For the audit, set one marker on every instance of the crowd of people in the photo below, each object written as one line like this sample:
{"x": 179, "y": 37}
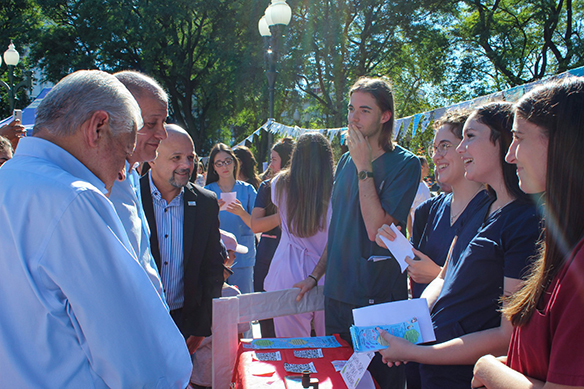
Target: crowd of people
{"x": 117, "y": 238}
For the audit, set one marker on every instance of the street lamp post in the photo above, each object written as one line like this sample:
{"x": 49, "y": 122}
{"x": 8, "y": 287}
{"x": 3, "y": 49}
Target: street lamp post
{"x": 11, "y": 58}
{"x": 277, "y": 14}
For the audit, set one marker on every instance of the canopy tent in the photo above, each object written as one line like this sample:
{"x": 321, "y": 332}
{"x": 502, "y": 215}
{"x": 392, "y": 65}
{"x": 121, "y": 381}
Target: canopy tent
{"x": 421, "y": 121}
{"x": 29, "y": 113}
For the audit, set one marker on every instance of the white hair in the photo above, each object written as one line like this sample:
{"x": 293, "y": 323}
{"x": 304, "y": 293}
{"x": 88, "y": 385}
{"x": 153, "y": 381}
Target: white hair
{"x": 138, "y": 84}
{"x": 78, "y": 96}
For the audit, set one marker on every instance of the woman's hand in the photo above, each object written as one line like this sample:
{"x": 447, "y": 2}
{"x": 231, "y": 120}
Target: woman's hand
{"x": 221, "y": 202}
{"x": 305, "y": 285}
{"x": 236, "y": 208}
{"x": 387, "y": 233}
{"x": 423, "y": 269}
{"x": 398, "y": 351}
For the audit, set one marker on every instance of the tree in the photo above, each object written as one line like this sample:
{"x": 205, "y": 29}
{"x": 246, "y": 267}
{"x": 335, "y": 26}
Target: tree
{"x": 19, "y": 20}
{"x": 515, "y": 41}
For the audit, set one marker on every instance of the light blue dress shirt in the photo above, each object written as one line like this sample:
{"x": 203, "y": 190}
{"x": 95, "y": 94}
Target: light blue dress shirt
{"x": 76, "y": 308}
{"x": 126, "y": 197}
{"x": 169, "y": 224}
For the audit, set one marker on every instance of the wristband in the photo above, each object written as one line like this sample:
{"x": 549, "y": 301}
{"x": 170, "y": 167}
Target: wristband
{"x": 314, "y": 278}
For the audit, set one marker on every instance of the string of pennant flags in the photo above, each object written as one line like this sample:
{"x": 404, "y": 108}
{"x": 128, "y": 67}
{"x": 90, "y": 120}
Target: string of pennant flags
{"x": 420, "y": 121}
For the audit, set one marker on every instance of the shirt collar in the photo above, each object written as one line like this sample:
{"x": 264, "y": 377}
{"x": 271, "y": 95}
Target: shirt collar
{"x": 44, "y": 149}
{"x": 156, "y": 193}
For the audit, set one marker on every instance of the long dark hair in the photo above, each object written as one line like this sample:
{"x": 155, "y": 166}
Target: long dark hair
{"x": 498, "y": 116}
{"x": 247, "y": 165}
{"x": 284, "y": 147}
{"x": 308, "y": 185}
{"x": 557, "y": 108}
{"x": 212, "y": 175}
{"x": 380, "y": 89}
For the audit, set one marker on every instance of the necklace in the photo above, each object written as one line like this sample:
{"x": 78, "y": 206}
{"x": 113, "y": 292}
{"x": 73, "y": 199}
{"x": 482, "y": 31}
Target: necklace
{"x": 501, "y": 206}
{"x": 454, "y": 217}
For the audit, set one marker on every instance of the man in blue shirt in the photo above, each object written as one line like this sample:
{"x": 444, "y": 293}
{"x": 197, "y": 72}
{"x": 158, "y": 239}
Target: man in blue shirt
{"x": 185, "y": 241}
{"x": 125, "y": 195}
{"x": 375, "y": 184}
{"x": 76, "y": 308}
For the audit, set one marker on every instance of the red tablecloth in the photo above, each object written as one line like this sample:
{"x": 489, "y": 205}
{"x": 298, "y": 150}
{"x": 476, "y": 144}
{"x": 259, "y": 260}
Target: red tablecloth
{"x": 251, "y": 373}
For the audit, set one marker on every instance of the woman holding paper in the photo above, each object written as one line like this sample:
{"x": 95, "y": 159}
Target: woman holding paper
{"x": 441, "y": 218}
{"x": 482, "y": 266}
{"x": 546, "y": 347}
{"x": 236, "y": 199}
{"x": 302, "y": 194}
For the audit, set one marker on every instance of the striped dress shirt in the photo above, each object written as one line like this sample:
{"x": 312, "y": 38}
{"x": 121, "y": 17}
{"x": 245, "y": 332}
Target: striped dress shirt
{"x": 169, "y": 223}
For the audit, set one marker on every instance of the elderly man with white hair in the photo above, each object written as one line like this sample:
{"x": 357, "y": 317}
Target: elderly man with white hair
{"x": 76, "y": 308}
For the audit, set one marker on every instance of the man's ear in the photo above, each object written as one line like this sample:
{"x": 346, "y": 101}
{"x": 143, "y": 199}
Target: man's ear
{"x": 385, "y": 116}
{"x": 95, "y": 127}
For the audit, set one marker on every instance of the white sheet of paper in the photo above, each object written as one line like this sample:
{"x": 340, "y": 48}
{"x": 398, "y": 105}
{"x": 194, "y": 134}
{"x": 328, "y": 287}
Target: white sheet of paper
{"x": 228, "y": 197}
{"x": 355, "y": 367}
{"x": 397, "y": 312}
{"x": 366, "y": 381}
{"x": 400, "y": 248}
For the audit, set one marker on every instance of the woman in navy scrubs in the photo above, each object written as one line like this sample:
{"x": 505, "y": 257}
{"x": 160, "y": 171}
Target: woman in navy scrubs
{"x": 547, "y": 313}
{"x": 441, "y": 218}
{"x": 483, "y": 266}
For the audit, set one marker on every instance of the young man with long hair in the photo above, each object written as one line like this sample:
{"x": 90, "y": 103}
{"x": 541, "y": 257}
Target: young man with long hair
{"x": 375, "y": 184}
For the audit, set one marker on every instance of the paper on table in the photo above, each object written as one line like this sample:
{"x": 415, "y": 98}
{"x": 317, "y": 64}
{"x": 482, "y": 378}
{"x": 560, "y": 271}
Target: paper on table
{"x": 355, "y": 367}
{"x": 400, "y": 247}
{"x": 397, "y": 312}
{"x": 228, "y": 197}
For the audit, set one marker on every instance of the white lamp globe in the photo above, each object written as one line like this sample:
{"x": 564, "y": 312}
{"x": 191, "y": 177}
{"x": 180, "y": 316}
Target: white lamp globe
{"x": 11, "y": 56}
{"x": 279, "y": 12}
{"x": 263, "y": 27}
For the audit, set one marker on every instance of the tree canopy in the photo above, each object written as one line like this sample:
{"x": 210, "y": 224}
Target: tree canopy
{"x": 210, "y": 57}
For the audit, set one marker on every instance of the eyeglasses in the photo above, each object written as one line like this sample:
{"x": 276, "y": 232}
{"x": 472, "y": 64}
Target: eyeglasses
{"x": 227, "y": 162}
{"x": 441, "y": 149}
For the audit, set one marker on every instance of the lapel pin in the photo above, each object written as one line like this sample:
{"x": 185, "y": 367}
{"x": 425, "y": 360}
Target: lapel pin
{"x": 192, "y": 203}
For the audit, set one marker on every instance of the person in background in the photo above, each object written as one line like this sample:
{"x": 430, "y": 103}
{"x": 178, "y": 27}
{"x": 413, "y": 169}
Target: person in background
{"x": 200, "y": 174}
{"x": 441, "y": 218}
{"x": 6, "y": 151}
{"x": 266, "y": 220}
{"x": 247, "y": 166}
{"x": 76, "y": 308}
{"x": 547, "y": 342}
{"x": 422, "y": 194}
{"x": 13, "y": 131}
{"x": 375, "y": 184}
{"x": 222, "y": 173}
{"x": 482, "y": 266}
{"x": 185, "y": 237}
{"x": 302, "y": 195}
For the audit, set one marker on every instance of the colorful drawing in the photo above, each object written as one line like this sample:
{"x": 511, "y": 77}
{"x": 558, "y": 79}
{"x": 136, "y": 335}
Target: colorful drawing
{"x": 289, "y": 343}
{"x": 368, "y": 339}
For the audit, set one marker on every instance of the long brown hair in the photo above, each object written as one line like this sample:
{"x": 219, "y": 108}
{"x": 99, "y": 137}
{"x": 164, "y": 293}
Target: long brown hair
{"x": 247, "y": 165}
{"x": 212, "y": 175}
{"x": 284, "y": 148}
{"x": 498, "y": 116}
{"x": 557, "y": 108}
{"x": 380, "y": 89}
{"x": 308, "y": 185}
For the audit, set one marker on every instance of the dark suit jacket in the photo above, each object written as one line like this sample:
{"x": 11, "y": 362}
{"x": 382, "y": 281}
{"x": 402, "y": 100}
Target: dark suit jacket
{"x": 203, "y": 254}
